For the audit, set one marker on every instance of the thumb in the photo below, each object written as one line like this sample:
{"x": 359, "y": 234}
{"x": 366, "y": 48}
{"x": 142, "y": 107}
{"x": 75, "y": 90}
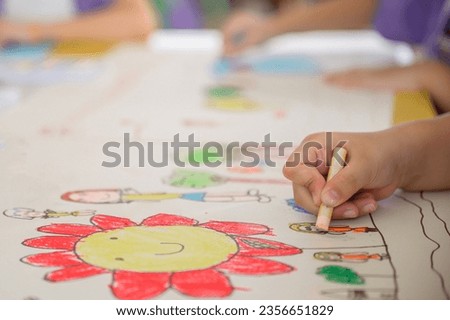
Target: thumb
{"x": 352, "y": 178}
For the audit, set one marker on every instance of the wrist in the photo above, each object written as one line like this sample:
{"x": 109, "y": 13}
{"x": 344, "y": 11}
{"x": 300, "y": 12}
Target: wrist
{"x": 411, "y": 146}
{"x": 33, "y": 33}
{"x": 429, "y": 71}
{"x": 275, "y": 25}
{"x": 23, "y": 32}
{"x": 296, "y": 19}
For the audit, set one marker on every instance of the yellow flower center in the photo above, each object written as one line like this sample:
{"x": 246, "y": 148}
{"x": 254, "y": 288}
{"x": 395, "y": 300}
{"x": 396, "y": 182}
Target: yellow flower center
{"x": 157, "y": 249}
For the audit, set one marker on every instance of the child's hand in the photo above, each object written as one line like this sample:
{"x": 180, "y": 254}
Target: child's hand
{"x": 390, "y": 79}
{"x": 10, "y": 31}
{"x": 4, "y": 32}
{"x": 373, "y": 172}
{"x": 243, "y": 30}
{"x": 431, "y": 76}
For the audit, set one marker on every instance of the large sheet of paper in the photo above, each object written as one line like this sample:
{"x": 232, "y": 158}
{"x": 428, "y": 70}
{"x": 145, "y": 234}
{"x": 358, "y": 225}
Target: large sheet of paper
{"x": 80, "y": 221}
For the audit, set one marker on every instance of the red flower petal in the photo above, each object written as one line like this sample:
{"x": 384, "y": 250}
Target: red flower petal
{"x": 237, "y": 228}
{"x": 52, "y": 242}
{"x": 75, "y": 272}
{"x": 262, "y": 247}
{"x": 81, "y": 230}
{"x": 255, "y": 266}
{"x": 138, "y": 286}
{"x": 202, "y": 283}
{"x": 109, "y": 222}
{"x": 165, "y": 219}
{"x": 53, "y": 259}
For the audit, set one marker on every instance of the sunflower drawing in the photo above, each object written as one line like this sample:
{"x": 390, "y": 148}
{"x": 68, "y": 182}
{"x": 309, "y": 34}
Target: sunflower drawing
{"x": 163, "y": 252}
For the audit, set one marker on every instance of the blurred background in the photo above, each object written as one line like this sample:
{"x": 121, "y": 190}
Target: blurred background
{"x": 193, "y": 14}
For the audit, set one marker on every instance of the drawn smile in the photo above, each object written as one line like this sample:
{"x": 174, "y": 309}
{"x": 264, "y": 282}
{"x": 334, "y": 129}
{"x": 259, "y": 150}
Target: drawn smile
{"x": 181, "y": 248}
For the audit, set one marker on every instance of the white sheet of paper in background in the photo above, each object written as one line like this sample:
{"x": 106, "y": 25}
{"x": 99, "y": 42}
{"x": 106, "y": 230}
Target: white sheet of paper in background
{"x": 9, "y": 96}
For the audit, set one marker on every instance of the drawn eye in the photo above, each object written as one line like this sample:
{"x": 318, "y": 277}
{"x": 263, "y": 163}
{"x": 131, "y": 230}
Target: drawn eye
{"x": 119, "y": 259}
{"x": 113, "y": 238}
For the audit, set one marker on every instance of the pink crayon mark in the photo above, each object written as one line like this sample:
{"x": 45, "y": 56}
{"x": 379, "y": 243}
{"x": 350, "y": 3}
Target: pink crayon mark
{"x": 251, "y": 170}
{"x": 280, "y": 114}
{"x": 266, "y": 181}
{"x": 200, "y": 123}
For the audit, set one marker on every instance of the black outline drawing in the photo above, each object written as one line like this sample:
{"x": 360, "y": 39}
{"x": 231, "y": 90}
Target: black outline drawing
{"x": 394, "y": 275}
{"x": 438, "y": 246}
{"x": 433, "y": 208}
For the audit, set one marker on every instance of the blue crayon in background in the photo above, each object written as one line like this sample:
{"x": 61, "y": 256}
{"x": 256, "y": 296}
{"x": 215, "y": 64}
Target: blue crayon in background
{"x": 26, "y": 51}
{"x": 239, "y": 37}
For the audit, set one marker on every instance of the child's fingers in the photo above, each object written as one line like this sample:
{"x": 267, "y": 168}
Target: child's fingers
{"x": 375, "y": 79}
{"x": 237, "y": 32}
{"x": 385, "y": 192}
{"x": 356, "y": 207}
{"x": 303, "y": 198}
{"x": 359, "y": 78}
{"x": 307, "y": 167}
{"x": 234, "y": 49}
{"x": 228, "y": 44}
{"x": 308, "y": 178}
{"x": 354, "y": 177}
{"x": 346, "y": 79}
{"x": 236, "y": 42}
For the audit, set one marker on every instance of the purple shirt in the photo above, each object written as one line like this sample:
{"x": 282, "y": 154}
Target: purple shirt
{"x": 82, "y": 6}
{"x": 91, "y": 5}
{"x": 420, "y": 22}
{"x": 186, "y": 14}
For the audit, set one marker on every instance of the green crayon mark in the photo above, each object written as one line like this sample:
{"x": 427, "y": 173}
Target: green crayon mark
{"x": 204, "y": 156}
{"x": 224, "y": 92}
{"x": 340, "y": 275}
{"x": 195, "y": 179}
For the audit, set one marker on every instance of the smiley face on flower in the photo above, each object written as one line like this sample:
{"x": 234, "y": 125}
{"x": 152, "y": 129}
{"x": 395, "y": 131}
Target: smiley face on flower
{"x": 162, "y": 252}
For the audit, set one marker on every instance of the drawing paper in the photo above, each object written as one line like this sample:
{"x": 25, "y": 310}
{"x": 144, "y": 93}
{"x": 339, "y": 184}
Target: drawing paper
{"x": 73, "y": 228}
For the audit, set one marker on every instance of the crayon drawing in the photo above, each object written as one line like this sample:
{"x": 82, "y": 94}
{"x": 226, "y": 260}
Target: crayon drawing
{"x": 349, "y": 257}
{"x": 162, "y": 252}
{"x": 340, "y": 275}
{"x": 291, "y": 203}
{"x": 308, "y": 227}
{"x": 269, "y": 65}
{"x": 30, "y": 214}
{"x": 15, "y": 51}
{"x": 438, "y": 247}
{"x": 203, "y": 179}
{"x": 230, "y": 98}
{"x": 230, "y": 232}
{"x": 128, "y": 195}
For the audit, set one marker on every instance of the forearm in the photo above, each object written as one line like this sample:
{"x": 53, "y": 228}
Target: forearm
{"x": 126, "y": 20}
{"x": 424, "y": 154}
{"x": 325, "y": 15}
{"x": 436, "y": 80}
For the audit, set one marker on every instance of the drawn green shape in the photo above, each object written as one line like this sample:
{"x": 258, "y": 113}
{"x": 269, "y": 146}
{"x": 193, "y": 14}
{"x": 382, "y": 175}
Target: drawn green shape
{"x": 224, "y": 92}
{"x": 194, "y": 179}
{"x": 340, "y": 274}
{"x": 204, "y": 156}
